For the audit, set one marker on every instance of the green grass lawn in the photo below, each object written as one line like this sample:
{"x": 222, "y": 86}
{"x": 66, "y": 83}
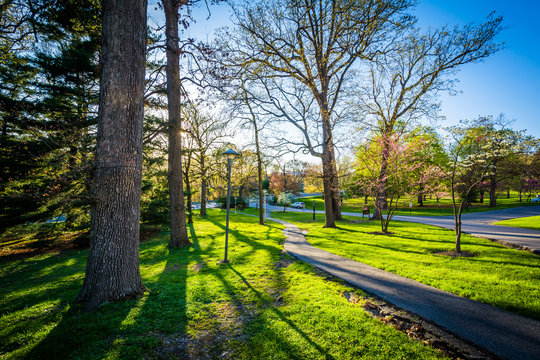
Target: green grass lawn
{"x": 260, "y": 306}
{"x": 430, "y": 208}
{"x": 503, "y": 277}
{"x": 531, "y": 222}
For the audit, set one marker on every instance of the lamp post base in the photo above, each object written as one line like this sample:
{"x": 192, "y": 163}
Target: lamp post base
{"x": 222, "y": 262}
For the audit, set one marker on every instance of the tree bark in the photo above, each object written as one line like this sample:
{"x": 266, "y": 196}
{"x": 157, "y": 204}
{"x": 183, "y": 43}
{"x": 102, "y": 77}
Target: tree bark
{"x": 259, "y": 173}
{"x": 332, "y": 208}
{"x": 188, "y": 190}
{"x": 381, "y": 202}
{"x": 420, "y": 199}
{"x": 112, "y": 270}
{"x": 493, "y": 188}
{"x": 204, "y": 186}
{"x": 329, "y": 217}
{"x": 179, "y": 237}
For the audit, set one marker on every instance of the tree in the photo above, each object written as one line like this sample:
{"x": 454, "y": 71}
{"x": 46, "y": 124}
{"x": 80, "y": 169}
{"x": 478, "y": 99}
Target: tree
{"x": 471, "y": 155}
{"x": 207, "y": 132}
{"x": 500, "y": 139}
{"x": 403, "y": 84}
{"x": 285, "y": 199}
{"x": 288, "y": 176}
{"x": 48, "y": 101}
{"x": 406, "y": 168}
{"x": 314, "y": 44}
{"x": 112, "y": 270}
{"x": 179, "y": 237}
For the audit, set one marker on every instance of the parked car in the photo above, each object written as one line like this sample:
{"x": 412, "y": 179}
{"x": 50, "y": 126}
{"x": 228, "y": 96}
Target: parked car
{"x": 536, "y": 199}
{"x": 298, "y": 205}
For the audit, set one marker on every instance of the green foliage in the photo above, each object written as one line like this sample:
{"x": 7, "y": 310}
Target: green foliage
{"x": 262, "y": 305}
{"x": 48, "y": 109}
{"x": 266, "y": 184}
{"x": 285, "y": 199}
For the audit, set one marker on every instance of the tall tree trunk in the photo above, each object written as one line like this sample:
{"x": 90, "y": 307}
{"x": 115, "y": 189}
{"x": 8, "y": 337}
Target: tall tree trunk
{"x": 508, "y": 193}
{"x": 259, "y": 172}
{"x": 204, "y": 185}
{"x": 179, "y": 237}
{"x": 332, "y": 208}
{"x": 336, "y": 195}
{"x": 329, "y": 218}
{"x": 112, "y": 269}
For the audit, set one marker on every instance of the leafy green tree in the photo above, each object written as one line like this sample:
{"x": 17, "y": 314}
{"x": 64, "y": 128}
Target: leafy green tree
{"x": 285, "y": 199}
{"x": 48, "y": 102}
{"x": 312, "y": 46}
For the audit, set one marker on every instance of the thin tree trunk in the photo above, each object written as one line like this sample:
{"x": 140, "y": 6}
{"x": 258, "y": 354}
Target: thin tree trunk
{"x": 179, "y": 237}
{"x": 188, "y": 191}
{"x": 330, "y": 205}
{"x": 458, "y": 228}
{"x": 336, "y": 196}
{"x": 112, "y": 269}
{"x": 204, "y": 186}
{"x": 259, "y": 173}
{"x": 381, "y": 202}
{"x": 457, "y": 216}
{"x": 493, "y": 189}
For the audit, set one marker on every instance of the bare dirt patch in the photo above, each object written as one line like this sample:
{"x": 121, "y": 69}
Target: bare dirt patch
{"x": 380, "y": 233}
{"x": 197, "y": 267}
{"x": 454, "y": 254}
{"x": 213, "y": 340}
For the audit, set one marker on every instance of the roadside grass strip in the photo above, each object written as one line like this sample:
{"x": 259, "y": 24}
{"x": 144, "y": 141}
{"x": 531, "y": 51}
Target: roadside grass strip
{"x": 530, "y": 222}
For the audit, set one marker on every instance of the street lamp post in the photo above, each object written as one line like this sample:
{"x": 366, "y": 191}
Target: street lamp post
{"x": 230, "y": 154}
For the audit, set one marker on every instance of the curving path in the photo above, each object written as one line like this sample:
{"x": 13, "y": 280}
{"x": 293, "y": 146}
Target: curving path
{"x": 500, "y": 332}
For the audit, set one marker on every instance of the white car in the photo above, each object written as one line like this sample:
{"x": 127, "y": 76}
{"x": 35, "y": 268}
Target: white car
{"x": 536, "y": 199}
{"x": 298, "y": 205}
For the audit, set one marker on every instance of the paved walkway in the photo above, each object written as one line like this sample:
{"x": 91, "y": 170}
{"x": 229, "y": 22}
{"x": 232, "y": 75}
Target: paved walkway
{"x": 500, "y": 332}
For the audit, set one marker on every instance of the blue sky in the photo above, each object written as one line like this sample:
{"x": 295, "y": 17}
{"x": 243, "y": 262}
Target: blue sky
{"x": 508, "y": 82}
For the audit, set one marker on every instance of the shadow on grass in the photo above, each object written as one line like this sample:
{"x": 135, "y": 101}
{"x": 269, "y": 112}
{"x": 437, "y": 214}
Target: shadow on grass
{"x": 124, "y": 329}
{"x": 264, "y": 302}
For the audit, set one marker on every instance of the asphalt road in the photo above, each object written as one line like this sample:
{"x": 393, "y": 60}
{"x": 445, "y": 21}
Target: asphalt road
{"x": 477, "y": 224}
{"x": 480, "y": 225}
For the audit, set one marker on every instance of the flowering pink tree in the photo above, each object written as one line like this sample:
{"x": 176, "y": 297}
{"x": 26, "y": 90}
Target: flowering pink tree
{"x": 405, "y": 169}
